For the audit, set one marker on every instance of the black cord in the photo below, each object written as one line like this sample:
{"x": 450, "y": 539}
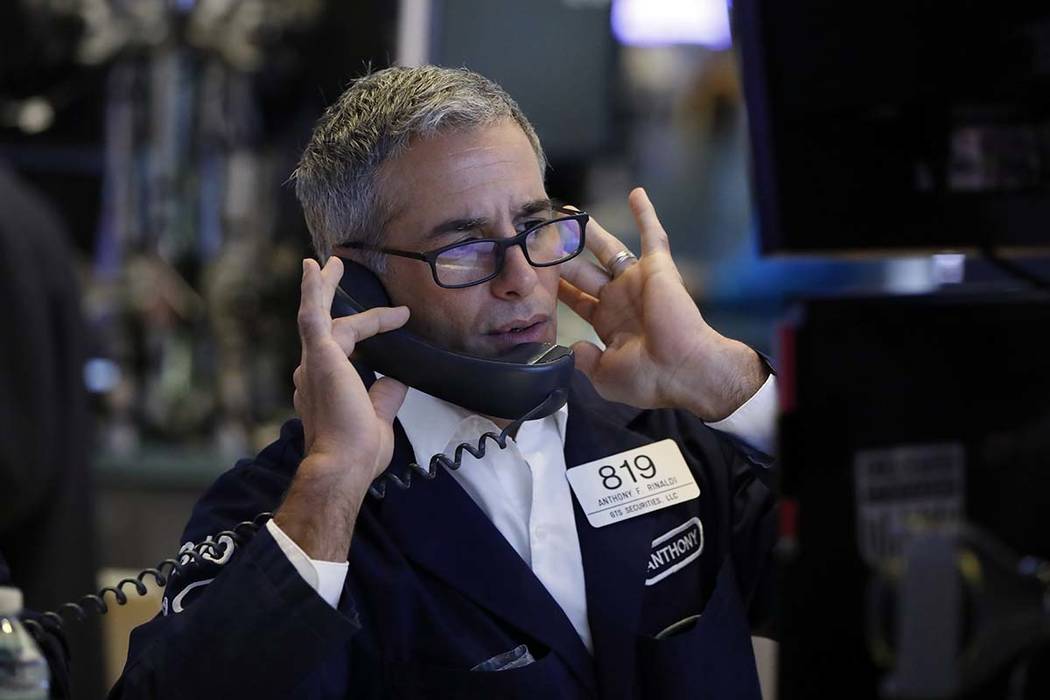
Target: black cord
{"x": 53, "y": 621}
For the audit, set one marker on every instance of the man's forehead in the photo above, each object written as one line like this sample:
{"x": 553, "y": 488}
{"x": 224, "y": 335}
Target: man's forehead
{"x": 493, "y": 209}
{"x": 489, "y": 172}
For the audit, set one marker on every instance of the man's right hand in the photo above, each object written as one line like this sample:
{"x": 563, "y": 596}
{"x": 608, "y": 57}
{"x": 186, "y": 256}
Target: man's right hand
{"x": 348, "y": 430}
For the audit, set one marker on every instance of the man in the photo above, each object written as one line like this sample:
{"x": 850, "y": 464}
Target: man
{"x": 490, "y": 581}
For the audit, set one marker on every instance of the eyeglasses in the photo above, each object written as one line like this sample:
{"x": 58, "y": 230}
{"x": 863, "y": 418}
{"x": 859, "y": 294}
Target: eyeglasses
{"x": 478, "y": 260}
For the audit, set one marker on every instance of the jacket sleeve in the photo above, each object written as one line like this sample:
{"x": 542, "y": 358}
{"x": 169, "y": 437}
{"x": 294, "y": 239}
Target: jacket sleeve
{"x": 747, "y": 487}
{"x": 753, "y": 508}
{"x": 241, "y": 622}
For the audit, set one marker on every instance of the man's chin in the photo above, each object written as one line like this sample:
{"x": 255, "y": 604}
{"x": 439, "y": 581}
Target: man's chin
{"x": 489, "y": 352}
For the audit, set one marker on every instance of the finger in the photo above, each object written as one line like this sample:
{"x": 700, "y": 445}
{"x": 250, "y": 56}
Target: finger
{"x": 331, "y": 275}
{"x": 582, "y": 303}
{"x": 587, "y": 356}
{"x": 585, "y": 275}
{"x": 654, "y": 238}
{"x": 387, "y": 395}
{"x": 603, "y": 244}
{"x": 350, "y": 330}
{"x": 297, "y": 376}
{"x": 314, "y": 318}
{"x": 299, "y": 404}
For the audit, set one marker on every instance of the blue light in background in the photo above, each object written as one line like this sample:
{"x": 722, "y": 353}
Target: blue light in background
{"x": 101, "y": 375}
{"x": 671, "y": 22}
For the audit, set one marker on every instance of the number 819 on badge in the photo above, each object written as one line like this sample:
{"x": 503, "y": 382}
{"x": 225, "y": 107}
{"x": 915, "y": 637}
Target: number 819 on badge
{"x": 643, "y": 463}
{"x": 632, "y": 483}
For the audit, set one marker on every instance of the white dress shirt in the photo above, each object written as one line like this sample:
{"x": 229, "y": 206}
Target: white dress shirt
{"x": 522, "y": 490}
{"x": 755, "y": 422}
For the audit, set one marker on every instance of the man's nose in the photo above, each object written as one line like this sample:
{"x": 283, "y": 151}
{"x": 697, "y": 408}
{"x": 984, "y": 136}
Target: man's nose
{"x": 518, "y": 278}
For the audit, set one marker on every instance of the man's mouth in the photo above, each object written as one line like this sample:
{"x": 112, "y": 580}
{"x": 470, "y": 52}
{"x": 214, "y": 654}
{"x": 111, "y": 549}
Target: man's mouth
{"x": 530, "y": 330}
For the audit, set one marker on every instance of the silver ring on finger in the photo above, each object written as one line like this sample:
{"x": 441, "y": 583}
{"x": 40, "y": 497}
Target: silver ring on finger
{"x": 620, "y": 262}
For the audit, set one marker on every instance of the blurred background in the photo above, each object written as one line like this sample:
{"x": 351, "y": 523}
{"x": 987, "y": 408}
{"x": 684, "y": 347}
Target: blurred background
{"x": 144, "y": 151}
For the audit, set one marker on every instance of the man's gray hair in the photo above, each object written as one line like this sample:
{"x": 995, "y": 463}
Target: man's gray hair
{"x": 337, "y": 180}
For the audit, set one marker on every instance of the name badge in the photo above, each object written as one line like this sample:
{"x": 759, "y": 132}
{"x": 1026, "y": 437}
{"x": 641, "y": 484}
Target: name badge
{"x": 625, "y": 485}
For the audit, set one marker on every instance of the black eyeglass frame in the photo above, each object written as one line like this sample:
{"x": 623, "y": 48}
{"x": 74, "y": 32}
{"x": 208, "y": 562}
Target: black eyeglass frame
{"x": 502, "y": 244}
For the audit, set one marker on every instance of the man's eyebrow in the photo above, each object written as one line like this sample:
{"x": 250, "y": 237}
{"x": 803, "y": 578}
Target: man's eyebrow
{"x": 480, "y": 222}
{"x": 534, "y": 207}
{"x": 454, "y": 225}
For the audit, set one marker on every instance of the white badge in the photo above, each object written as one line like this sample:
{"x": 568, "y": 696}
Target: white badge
{"x": 631, "y": 483}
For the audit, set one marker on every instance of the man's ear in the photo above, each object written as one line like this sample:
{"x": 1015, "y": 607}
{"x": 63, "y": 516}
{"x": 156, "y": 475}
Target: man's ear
{"x": 360, "y": 257}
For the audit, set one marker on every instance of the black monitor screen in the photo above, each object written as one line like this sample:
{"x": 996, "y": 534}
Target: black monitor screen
{"x": 898, "y": 124}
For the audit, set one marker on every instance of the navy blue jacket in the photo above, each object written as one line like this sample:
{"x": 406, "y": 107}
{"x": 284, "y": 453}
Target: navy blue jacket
{"x": 434, "y": 589}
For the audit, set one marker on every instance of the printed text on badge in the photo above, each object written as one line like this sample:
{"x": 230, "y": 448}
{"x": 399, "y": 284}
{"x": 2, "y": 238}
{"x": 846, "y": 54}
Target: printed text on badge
{"x": 632, "y": 483}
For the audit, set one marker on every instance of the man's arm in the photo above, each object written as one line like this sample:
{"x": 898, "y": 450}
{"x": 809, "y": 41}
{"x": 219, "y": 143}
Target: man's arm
{"x": 257, "y": 630}
{"x": 257, "y": 617}
{"x": 348, "y": 429}
{"x": 243, "y": 622}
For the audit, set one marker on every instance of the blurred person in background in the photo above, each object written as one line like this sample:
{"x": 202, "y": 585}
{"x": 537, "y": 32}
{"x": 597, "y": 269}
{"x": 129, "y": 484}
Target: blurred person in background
{"x": 46, "y": 526}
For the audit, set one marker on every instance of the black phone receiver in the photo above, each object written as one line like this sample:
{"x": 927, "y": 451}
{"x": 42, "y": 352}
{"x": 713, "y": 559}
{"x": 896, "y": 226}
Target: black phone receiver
{"x": 532, "y": 379}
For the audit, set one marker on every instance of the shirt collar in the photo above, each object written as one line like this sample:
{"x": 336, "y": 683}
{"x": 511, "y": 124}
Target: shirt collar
{"x": 435, "y": 426}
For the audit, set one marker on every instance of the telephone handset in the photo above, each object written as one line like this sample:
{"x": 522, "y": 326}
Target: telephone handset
{"x": 532, "y": 381}
{"x": 533, "y": 378}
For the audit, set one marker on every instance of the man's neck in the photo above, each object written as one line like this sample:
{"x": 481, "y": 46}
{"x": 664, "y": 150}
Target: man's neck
{"x": 502, "y": 423}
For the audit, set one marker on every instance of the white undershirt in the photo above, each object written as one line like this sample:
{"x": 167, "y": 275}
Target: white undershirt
{"x": 522, "y": 490}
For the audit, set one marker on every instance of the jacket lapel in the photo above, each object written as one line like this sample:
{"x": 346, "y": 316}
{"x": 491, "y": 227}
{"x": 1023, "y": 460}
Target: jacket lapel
{"x": 440, "y": 528}
{"x": 614, "y": 556}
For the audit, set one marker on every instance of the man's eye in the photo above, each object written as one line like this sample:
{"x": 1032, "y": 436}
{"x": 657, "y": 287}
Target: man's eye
{"x": 529, "y": 224}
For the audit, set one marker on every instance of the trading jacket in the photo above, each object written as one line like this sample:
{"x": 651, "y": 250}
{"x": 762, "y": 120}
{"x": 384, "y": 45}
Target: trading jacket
{"x": 434, "y": 590}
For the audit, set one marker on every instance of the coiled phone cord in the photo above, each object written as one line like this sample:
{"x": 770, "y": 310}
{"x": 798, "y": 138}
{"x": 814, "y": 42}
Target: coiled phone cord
{"x": 378, "y": 487}
{"x": 54, "y": 620}
{"x": 97, "y": 601}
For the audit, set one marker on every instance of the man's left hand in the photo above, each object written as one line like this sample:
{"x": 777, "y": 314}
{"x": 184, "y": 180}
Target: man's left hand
{"x": 659, "y": 351}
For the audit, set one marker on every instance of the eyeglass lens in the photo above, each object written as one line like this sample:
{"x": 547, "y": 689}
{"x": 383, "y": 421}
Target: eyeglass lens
{"x": 549, "y": 244}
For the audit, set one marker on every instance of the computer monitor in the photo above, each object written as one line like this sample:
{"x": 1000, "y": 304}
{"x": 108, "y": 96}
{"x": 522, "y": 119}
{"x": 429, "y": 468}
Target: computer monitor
{"x": 898, "y": 124}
